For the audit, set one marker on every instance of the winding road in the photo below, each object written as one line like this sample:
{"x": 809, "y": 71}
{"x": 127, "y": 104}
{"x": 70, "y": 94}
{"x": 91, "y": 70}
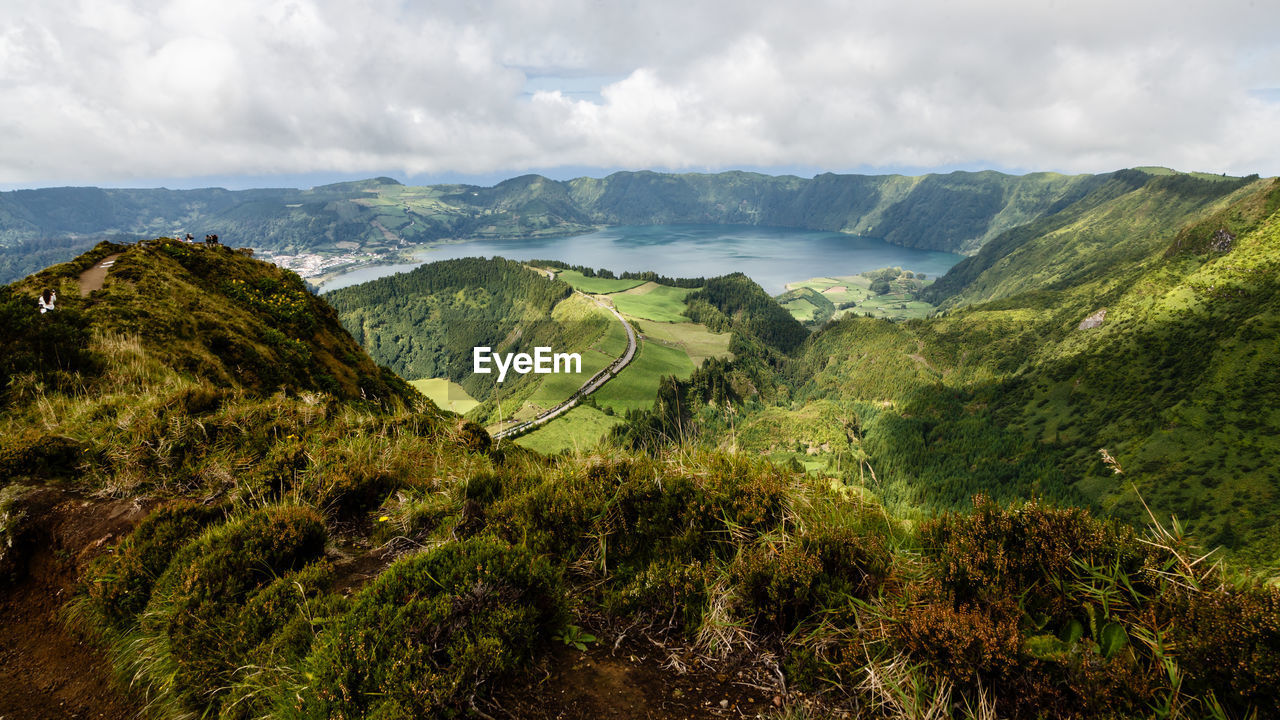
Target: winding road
{"x": 589, "y": 386}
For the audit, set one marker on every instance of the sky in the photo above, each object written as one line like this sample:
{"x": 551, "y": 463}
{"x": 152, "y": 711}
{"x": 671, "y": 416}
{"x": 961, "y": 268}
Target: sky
{"x": 254, "y": 93}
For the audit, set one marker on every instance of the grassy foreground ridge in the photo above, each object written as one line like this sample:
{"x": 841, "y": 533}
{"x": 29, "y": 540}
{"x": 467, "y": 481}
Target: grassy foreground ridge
{"x": 321, "y": 541}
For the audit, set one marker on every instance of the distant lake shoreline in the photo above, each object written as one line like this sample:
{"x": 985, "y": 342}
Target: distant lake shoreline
{"x": 771, "y": 256}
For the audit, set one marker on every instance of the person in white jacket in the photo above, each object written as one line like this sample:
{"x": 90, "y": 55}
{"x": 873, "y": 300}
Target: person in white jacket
{"x": 46, "y": 301}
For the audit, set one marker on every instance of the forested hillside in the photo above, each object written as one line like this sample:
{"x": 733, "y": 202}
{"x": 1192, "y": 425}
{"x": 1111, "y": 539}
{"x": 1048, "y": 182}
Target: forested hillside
{"x": 425, "y": 323}
{"x": 1128, "y": 351}
{"x": 957, "y": 212}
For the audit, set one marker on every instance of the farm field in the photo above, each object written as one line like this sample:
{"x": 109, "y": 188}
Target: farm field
{"x": 446, "y": 394}
{"x": 595, "y": 285}
{"x": 555, "y": 388}
{"x": 695, "y": 339}
{"x": 652, "y": 301}
{"x": 580, "y": 428}
{"x": 637, "y": 385}
{"x": 855, "y": 291}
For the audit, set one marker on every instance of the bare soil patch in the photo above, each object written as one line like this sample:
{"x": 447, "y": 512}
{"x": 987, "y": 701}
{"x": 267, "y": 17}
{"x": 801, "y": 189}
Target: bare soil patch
{"x": 47, "y": 671}
{"x": 627, "y": 683}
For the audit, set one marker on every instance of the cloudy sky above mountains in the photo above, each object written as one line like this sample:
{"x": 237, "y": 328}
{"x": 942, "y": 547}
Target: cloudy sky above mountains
{"x": 185, "y": 92}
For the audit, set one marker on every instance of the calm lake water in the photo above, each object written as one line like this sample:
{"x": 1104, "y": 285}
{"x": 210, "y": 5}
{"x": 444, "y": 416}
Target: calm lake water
{"x": 772, "y": 257}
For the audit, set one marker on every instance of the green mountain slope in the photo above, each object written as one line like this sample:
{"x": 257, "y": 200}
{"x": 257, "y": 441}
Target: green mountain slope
{"x": 425, "y": 324}
{"x": 227, "y": 319}
{"x": 1011, "y": 393}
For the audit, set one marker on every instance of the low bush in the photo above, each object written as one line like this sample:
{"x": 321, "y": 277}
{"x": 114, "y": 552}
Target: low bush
{"x": 1032, "y": 550}
{"x": 196, "y": 621}
{"x": 782, "y": 584}
{"x": 14, "y": 521}
{"x": 432, "y": 631}
{"x": 1228, "y": 643}
{"x": 118, "y": 585}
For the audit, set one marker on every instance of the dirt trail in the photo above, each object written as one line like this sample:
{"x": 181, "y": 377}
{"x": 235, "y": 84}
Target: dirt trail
{"x": 626, "y": 684}
{"x": 93, "y": 278}
{"x": 45, "y": 670}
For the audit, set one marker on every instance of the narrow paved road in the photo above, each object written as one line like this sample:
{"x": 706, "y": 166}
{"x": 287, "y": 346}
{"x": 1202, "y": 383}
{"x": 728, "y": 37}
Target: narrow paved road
{"x": 588, "y": 387}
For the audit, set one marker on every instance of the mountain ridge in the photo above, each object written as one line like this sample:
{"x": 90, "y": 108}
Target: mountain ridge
{"x": 957, "y": 212}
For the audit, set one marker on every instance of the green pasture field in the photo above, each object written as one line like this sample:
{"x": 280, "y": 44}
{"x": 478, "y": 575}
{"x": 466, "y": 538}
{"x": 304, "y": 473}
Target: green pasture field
{"x": 637, "y": 385}
{"x": 555, "y": 388}
{"x": 801, "y": 309}
{"x": 652, "y": 301}
{"x": 695, "y": 339}
{"x": 900, "y": 304}
{"x": 580, "y": 428}
{"x": 595, "y": 285}
{"x": 446, "y": 394}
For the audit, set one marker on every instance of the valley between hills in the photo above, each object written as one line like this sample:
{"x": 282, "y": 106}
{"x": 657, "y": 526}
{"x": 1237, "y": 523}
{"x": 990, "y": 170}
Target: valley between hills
{"x": 1043, "y": 484}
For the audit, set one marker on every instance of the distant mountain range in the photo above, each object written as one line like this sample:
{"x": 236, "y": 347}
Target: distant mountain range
{"x": 956, "y": 212}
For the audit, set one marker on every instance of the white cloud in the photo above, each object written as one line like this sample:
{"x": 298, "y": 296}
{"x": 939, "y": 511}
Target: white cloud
{"x": 104, "y": 91}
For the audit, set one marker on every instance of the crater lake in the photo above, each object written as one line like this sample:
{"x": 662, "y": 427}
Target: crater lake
{"x": 771, "y": 256}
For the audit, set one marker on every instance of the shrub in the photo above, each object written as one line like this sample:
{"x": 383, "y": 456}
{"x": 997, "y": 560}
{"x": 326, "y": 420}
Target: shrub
{"x": 13, "y": 525}
{"x": 119, "y": 585}
{"x": 473, "y": 437}
{"x": 272, "y": 634}
{"x": 783, "y": 585}
{"x": 552, "y": 517}
{"x": 967, "y": 643}
{"x": 666, "y": 591}
{"x": 433, "y": 630}
{"x": 1028, "y": 549}
{"x": 195, "y": 613}
{"x": 1229, "y": 643}
{"x": 777, "y": 583}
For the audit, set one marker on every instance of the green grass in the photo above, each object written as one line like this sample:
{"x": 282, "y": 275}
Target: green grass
{"x": 580, "y": 428}
{"x": 801, "y": 309}
{"x": 694, "y": 338}
{"x": 637, "y": 385}
{"x": 595, "y": 285}
{"x": 652, "y": 301}
{"x": 899, "y": 304}
{"x": 446, "y": 394}
{"x": 614, "y": 341}
{"x": 557, "y": 387}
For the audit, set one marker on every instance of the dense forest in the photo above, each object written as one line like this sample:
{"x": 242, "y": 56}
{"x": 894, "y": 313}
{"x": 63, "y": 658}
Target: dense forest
{"x": 734, "y": 302}
{"x": 425, "y": 323}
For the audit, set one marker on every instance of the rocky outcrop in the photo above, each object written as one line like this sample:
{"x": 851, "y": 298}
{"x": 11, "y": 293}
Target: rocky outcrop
{"x": 1094, "y": 320}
